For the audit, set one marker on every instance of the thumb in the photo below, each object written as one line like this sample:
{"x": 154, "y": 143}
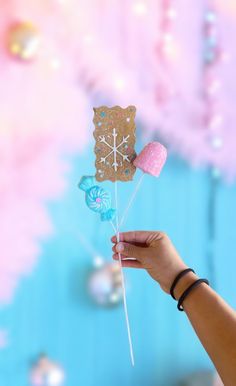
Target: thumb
{"x": 131, "y": 250}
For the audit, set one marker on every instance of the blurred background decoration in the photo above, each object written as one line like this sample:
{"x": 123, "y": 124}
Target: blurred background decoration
{"x": 46, "y": 373}
{"x": 23, "y": 40}
{"x": 105, "y": 285}
{"x": 203, "y": 378}
{"x": 199, "y": 379}
{"x": 175, "y": 61}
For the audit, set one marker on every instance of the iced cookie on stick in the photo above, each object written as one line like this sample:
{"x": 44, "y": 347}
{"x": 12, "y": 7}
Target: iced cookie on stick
{"x": 151, "y": 161}
{"x": 114, "y": 136}
{"x": 115, "y": 151}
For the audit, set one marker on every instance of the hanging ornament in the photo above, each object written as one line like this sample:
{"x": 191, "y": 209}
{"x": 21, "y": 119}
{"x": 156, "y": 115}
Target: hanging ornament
{"x": 105, "y": 284}
{"x": 165, "y": 51}
{"x": 46, "y": 373}
{"x": 23, "y": 41}
{"x": 212, "y": 55}
{"x": 203, "y": 378}
{"x": 212, "y": 49}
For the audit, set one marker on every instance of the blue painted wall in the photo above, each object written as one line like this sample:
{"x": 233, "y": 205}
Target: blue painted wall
{"x": 51, "y": 311}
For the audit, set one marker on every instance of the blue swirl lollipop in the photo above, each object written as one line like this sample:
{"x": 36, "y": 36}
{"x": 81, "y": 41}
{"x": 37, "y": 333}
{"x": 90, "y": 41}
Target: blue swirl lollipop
{"x": 97, "y": 198}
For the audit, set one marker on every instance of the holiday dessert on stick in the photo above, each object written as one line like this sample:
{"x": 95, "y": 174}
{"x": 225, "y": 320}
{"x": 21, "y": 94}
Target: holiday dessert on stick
{"x": 115, "y": 139}
{"x": 97, "y": 198}
{"x": 151, "y": 159}
{"x": 116, "y": 160}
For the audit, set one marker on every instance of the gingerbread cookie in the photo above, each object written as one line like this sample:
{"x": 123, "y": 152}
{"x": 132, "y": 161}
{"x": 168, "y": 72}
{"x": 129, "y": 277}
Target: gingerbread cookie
{"x": 115, "y": 140}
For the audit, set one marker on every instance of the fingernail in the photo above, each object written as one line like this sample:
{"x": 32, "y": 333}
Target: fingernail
{"x": 120, "y": 247}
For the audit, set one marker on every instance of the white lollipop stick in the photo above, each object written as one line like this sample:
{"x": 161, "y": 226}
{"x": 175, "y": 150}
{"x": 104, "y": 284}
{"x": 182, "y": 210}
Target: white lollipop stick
{"x": 126, "y": 211}
{"x": 151, "y": 160}
{"x": 113, "y": 227}
{"x": 123, "y": 280}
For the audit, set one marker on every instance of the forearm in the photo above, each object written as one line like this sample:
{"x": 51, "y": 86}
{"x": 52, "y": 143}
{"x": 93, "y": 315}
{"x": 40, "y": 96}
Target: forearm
{"x": 213, "y": 320}
{"x": 215, "y": 324}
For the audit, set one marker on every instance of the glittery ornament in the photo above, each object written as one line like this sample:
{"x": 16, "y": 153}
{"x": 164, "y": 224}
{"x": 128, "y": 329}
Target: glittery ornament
{"x": 46, "y": 373}
{"x": 105, "y": 285}
{"x": 23, "y": 40}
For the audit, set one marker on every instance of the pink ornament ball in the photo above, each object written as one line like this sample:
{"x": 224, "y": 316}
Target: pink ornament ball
{"x": 151, "y": 159}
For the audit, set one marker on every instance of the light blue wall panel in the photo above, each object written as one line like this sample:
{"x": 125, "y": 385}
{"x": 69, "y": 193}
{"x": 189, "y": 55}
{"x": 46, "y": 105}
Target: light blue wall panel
{"x": 52, "y": 313}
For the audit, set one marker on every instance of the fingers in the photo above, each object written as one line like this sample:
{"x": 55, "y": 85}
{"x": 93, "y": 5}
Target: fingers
{"x": 116, "y": 257}
{"x": 116, "y": 248}
{"x": 133, "y": 237}
{"x": 129, "y": 263}
{"x": 130, "y": 250}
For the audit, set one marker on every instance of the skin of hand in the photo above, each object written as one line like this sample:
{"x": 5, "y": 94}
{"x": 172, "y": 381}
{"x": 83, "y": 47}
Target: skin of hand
{"x": 152, "y": 251}
{"x": 213, "y": 320}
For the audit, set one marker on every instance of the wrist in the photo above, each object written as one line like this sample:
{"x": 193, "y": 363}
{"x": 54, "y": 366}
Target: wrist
{"x": 184, "y": 283}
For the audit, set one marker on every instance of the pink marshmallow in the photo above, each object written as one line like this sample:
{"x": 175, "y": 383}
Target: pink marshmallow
{"x": 151, "y": 159}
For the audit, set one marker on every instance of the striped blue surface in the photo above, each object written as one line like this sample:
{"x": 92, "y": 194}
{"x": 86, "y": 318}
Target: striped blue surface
{"x": 51, "y": 311}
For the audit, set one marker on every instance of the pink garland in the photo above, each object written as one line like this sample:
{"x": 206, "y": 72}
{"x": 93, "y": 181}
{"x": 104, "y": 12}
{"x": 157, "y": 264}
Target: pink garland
{"x": 43, "y": 116}
{"x": 165, "y": 53}
{"x": 213, "y": 118}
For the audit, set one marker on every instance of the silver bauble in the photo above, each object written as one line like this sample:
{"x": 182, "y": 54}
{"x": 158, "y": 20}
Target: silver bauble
{"x": 105, "y": 285}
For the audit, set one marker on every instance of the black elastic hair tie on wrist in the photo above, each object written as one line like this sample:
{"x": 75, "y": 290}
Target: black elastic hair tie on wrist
{"x": 188, "y": 290}
{"x": 177, "y": 279}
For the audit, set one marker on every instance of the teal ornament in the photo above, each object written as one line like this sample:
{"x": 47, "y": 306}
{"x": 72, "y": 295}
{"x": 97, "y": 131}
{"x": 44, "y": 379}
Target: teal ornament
{"x": 86, "y": 183}
{"x": 97, "y": 198}
{"x": 109, "y": 215}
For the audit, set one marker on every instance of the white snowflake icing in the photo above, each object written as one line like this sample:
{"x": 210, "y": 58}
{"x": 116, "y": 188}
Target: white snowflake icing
{"x": 116, "y": 154}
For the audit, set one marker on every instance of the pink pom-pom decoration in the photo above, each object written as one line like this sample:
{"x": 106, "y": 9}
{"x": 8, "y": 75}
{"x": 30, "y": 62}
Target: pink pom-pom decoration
{"x": 151, "y": 159}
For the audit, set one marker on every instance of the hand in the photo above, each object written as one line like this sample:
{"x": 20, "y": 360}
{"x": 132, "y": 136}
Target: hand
{"x": 152, "y": 251}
